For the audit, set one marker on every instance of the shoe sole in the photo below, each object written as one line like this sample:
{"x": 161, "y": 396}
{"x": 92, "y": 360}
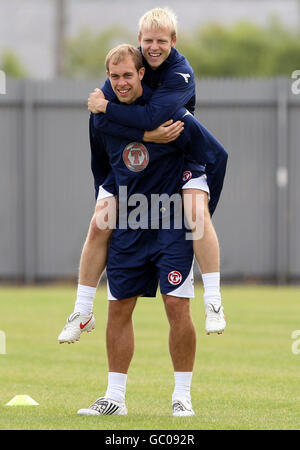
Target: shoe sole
{"x": 76, "y": 340}
{"x": 208, "y": 332}
{"x": 214, "y": 332}
{"x": 88, "y": 412}
{"x": 92, "y": 412}
{"x": 184, "y": 414}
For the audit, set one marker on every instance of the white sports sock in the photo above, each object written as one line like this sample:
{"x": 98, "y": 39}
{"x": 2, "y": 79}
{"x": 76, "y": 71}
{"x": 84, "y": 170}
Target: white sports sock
{"x": 116, "y": 387}
{"x": 211, "y": 284}
{"x": 182, "y": 389}
{"x": 85, "y": 299}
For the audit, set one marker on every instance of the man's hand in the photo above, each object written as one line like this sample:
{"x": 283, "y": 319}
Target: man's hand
{"x": 96, "y": 102}
{"x": 166, "y": 132}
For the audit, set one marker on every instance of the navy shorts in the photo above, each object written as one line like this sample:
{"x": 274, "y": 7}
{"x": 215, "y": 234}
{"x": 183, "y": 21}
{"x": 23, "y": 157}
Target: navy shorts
{"x": 192, "y": 171}
{"x": 140, "y": 260}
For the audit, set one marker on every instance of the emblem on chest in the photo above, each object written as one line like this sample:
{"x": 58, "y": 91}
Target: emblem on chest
{"x": 135, "y": 156}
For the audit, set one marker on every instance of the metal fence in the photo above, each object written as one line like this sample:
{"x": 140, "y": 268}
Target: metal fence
{"x": 46, "y": 188}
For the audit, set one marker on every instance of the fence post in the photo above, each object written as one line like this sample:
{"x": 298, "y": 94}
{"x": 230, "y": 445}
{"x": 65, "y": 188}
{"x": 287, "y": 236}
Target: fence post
{"x": 282, "y": 199}
{"x": 29, "y": 185}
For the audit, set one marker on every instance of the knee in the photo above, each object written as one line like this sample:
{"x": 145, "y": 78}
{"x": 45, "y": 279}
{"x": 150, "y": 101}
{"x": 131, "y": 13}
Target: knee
{"x": 105, "y": 214}
{"x": 197, "y": 213}
{"x": 98, "y": 233}
{"x": 120, "y": 311}
{"x": 177, "y": 309}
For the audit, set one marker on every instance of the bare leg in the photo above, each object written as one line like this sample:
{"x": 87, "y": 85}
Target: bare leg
{"x": 207, "y": 253}
{"x": 206, "y": 245}
{"x": 94, "y": 253}
{"x": 120, "y": 348}
{"x": 120, "y": 334}
{"x": 182, "y": 336}
{"x": 92, "y": 264}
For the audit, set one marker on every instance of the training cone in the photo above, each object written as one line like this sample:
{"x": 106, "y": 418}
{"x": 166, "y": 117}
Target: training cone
{"x": 21, "y": 400}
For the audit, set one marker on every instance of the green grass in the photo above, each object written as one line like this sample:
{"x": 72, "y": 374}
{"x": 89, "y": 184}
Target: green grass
{"x": 248, "y": 378}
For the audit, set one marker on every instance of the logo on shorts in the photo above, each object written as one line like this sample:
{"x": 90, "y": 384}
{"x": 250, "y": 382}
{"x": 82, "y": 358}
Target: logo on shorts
{"x": 136, "y": 156}
{"x": 174, "y": 277}
{"x": 187, "y": 175}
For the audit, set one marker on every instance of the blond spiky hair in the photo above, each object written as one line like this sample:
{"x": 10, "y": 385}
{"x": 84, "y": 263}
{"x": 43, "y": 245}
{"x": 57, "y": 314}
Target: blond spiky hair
{"x": 159, "y": 18}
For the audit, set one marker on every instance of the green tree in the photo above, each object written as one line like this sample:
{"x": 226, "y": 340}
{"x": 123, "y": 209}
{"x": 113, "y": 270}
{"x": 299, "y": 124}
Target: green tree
{"x": 243, "y": 50}
{"x": 12, "y": 66}
{"x": 86, "y": 53}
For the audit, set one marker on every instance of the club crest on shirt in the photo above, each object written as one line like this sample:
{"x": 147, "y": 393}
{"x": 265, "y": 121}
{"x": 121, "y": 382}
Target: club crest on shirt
{"x": 187, "y": 175}
{"x": 174, "y": 277}
{"x": 135, "y": 156}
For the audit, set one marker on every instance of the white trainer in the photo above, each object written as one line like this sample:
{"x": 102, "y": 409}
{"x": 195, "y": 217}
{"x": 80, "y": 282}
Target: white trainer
{"x": 215, "y": 320}
{"x": 104, "y": 407}
{"x": 182, "y": 407}
{"x": 76, "y": 324}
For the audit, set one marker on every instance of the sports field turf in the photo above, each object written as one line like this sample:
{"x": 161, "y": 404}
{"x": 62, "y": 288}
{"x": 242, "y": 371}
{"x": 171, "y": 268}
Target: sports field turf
{"x": 248, "y": 378}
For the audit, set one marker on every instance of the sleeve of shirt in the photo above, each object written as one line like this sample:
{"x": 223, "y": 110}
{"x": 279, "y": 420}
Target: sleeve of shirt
{"x": 194, "y": 139}
{"x": 108, "y": 91}
{"x": 103, "y": 124}
{"x": 200, "y": 144}
{"x": 175, "y": 91}
{"x": 110, "y": 183}
{"x": 99, "y": 159}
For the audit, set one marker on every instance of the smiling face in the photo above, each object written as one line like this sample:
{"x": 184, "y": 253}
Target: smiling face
{"x": 125, "y": 80}
{"x": 156, "y": 45}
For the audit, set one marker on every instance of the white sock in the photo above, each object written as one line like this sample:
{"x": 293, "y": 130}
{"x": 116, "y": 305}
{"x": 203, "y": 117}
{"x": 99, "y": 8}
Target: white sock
{"x": 116, "y": 387}
{"x": 85, "y": 299}
{"x": 211, "y": 284}
{"x": 182, "y": 387}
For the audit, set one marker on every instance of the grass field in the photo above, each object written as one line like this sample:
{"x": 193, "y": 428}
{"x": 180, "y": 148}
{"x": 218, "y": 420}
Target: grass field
{"x": 248, "y": 378}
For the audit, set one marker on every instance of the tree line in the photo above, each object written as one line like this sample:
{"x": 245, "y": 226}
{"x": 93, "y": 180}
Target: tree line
{"x": 243, "y": 49}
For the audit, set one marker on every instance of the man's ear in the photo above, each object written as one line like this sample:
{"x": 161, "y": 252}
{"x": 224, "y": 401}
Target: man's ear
{"x": 139, "y": 37}
{"x": 141, "y": 73}
{"x": 107, "y": 73}
{"x": 174, "y": 40}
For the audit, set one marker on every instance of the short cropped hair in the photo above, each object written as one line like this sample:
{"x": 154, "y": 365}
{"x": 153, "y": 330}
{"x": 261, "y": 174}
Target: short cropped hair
{"x": 159, "y": 18}
{"x": 121, "y": 52}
